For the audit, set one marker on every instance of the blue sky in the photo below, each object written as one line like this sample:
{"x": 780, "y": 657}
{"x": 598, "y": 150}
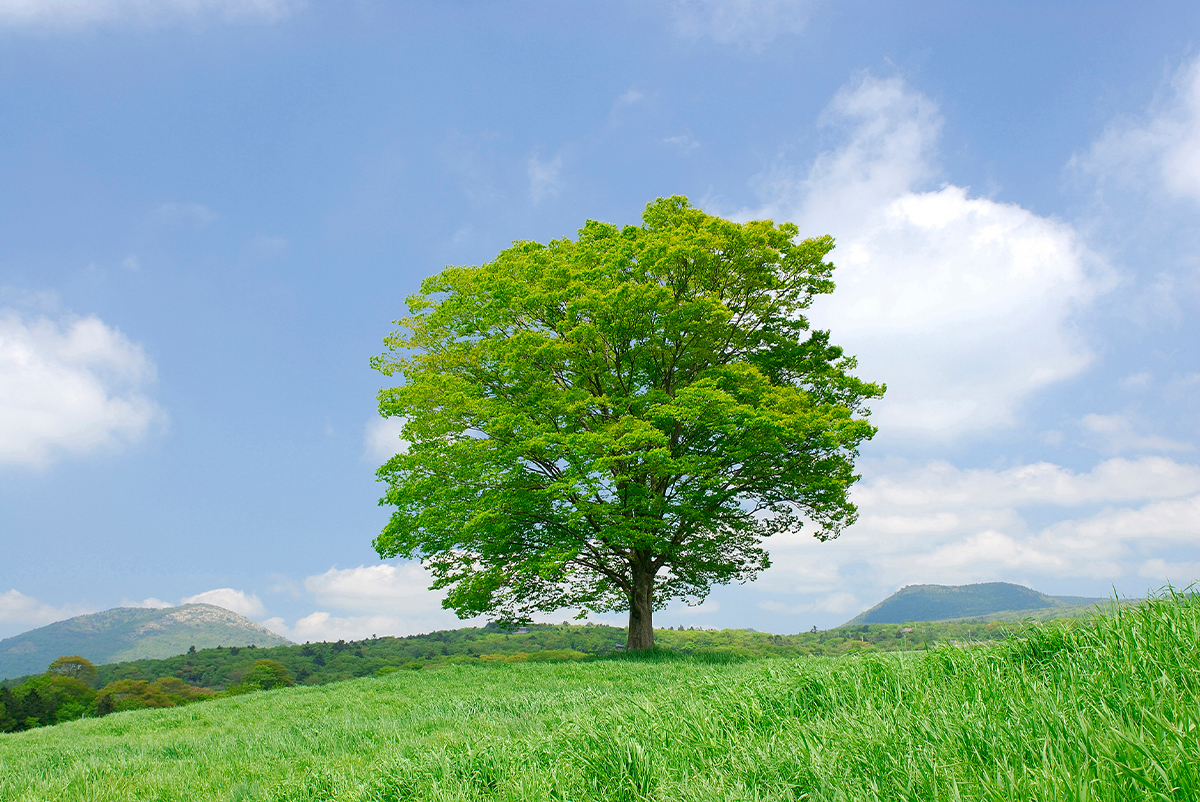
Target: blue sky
{"x": 211, "y": 210}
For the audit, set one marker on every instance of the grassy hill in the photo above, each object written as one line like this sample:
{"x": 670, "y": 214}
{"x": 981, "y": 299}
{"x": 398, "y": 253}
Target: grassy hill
{"x": 1104, "y": 711}
{"x": 987, "y": 599}
{"x": 131, "y": 633}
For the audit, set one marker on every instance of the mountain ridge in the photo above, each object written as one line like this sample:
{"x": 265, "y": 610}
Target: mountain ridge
{"x": 131, "y": 633}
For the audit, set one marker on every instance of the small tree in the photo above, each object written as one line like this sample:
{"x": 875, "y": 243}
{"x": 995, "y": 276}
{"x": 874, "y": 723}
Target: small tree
{"x": 611, "y": 422}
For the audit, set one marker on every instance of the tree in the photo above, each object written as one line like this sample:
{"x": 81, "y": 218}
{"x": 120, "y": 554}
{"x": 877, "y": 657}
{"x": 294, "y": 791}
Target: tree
{"x": 79, "y": 668}
{"x": 267, "y": 674}
{"x": 611, "y": 422}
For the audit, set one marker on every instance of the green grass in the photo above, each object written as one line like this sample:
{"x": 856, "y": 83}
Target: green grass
{"x": 1073, "y": 712}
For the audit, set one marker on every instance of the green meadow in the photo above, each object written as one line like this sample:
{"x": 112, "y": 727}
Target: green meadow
{"x": 1107, "y": 709}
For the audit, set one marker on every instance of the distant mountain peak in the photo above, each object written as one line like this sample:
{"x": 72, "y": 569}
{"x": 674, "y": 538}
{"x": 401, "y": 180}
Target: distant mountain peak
{"x": 943, "y": 602}
{"x": 131, "y": 633}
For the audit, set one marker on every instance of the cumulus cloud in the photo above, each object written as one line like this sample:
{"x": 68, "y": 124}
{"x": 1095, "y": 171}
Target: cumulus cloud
{"x": 322, "y": 626}
{"x": 1160, "y": 152}
{"x": 382, "y": 599}
{"x": 752, "y": 23}
{"x": 961, "y": 304}
{"x": 69, "y": 387}
{"x": 80, "y": 13}
{"x": 382, "y": 438}
{"x": 19, "y": 612}
{"x": 544, "y": 181}
{"x": 236, "y": 601}
{"x": 1038, "y": 524}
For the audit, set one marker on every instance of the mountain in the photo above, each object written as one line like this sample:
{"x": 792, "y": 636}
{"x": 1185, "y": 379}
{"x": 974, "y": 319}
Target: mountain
{"x": 944, "y": 602}
{"x": 131, "y": 633}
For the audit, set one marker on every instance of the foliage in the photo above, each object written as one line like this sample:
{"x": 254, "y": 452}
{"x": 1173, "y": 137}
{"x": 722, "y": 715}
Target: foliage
{"x": 1103, "y": 712}
{"x": 610, "y": 422}
{"x": 44, "y": 700}
{"x": 133, "y": 694}
{"x": 264, "y": 675}
{"x": 79, "y": 668}
{"x": 61, "y": 694}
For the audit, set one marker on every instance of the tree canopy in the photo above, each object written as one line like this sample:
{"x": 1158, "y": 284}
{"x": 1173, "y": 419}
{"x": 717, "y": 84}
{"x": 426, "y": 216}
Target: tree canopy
{"x": 610, "y": 422}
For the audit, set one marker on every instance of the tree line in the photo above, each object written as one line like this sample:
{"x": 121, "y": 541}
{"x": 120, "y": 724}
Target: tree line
{"x": 71, "y": 689}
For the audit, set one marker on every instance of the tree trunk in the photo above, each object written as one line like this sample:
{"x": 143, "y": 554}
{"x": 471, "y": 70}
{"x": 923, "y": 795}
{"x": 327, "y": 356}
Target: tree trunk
{"x": 641, "y": 611}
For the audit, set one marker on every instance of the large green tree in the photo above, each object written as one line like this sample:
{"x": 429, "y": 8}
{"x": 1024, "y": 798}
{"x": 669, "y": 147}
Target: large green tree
{"x": 611, "y": 422}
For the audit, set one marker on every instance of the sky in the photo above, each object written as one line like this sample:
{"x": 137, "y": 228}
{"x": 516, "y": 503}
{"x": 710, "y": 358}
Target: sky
{"x": 211, "y": 211}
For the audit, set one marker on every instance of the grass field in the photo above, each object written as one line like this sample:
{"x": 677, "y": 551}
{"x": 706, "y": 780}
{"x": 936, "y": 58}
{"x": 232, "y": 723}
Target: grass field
{"x": 1071, "y": 712}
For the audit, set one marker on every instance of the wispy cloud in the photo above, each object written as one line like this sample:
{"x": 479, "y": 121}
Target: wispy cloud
{"x": 382, "y": 438}
{"x": 82, "y": 13}
{"x": 544, "y": 180}
{"x": 1117, "y": 434}
{"x": 630, "y": 97}
{"x": 685, "y": 142}
{"x": 751, "y": 23}
{"x": 192, "y": 215}
{"x": 1160, "y": 151}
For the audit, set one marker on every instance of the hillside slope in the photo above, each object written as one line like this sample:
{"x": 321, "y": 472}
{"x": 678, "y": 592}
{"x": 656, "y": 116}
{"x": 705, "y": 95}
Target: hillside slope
{"x": 944, "y": 602}
{"x": 131, "y": 633}
{"x": 1013, "y": 720}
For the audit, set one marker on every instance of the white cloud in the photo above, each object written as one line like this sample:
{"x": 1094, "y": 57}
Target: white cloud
{"x": 745, "y": 22}
{"x": 193, "y": 215}
{"x": 374, "y": 588}
{"x": 235, "y": 600}
{"x": 278, "y": 626}
{"x": 1179, "y": 574}
{"x": 544, "y": 180}
{"x": 685, "y": 142}
{"x": 630, "y": 97}
{"x": 962, "y": 305}
{"x": 70, "y": 386}
{"x": 1139, "y": 380}
{"x": 1160, "y": 152}
{"x": 1037, "y": 524}
{"x": 321, "y": 626}
{"x": 382, "y": 599}
{"x": 19, "y": 612}
{"x": 80, "y": 13}
{"x": 151, "y": 602}
{"x": 937, "y": 488}
{"x": 382, "y": 438}
{"x": 1117, "y": 434}
{"x": 264, "y": 247}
